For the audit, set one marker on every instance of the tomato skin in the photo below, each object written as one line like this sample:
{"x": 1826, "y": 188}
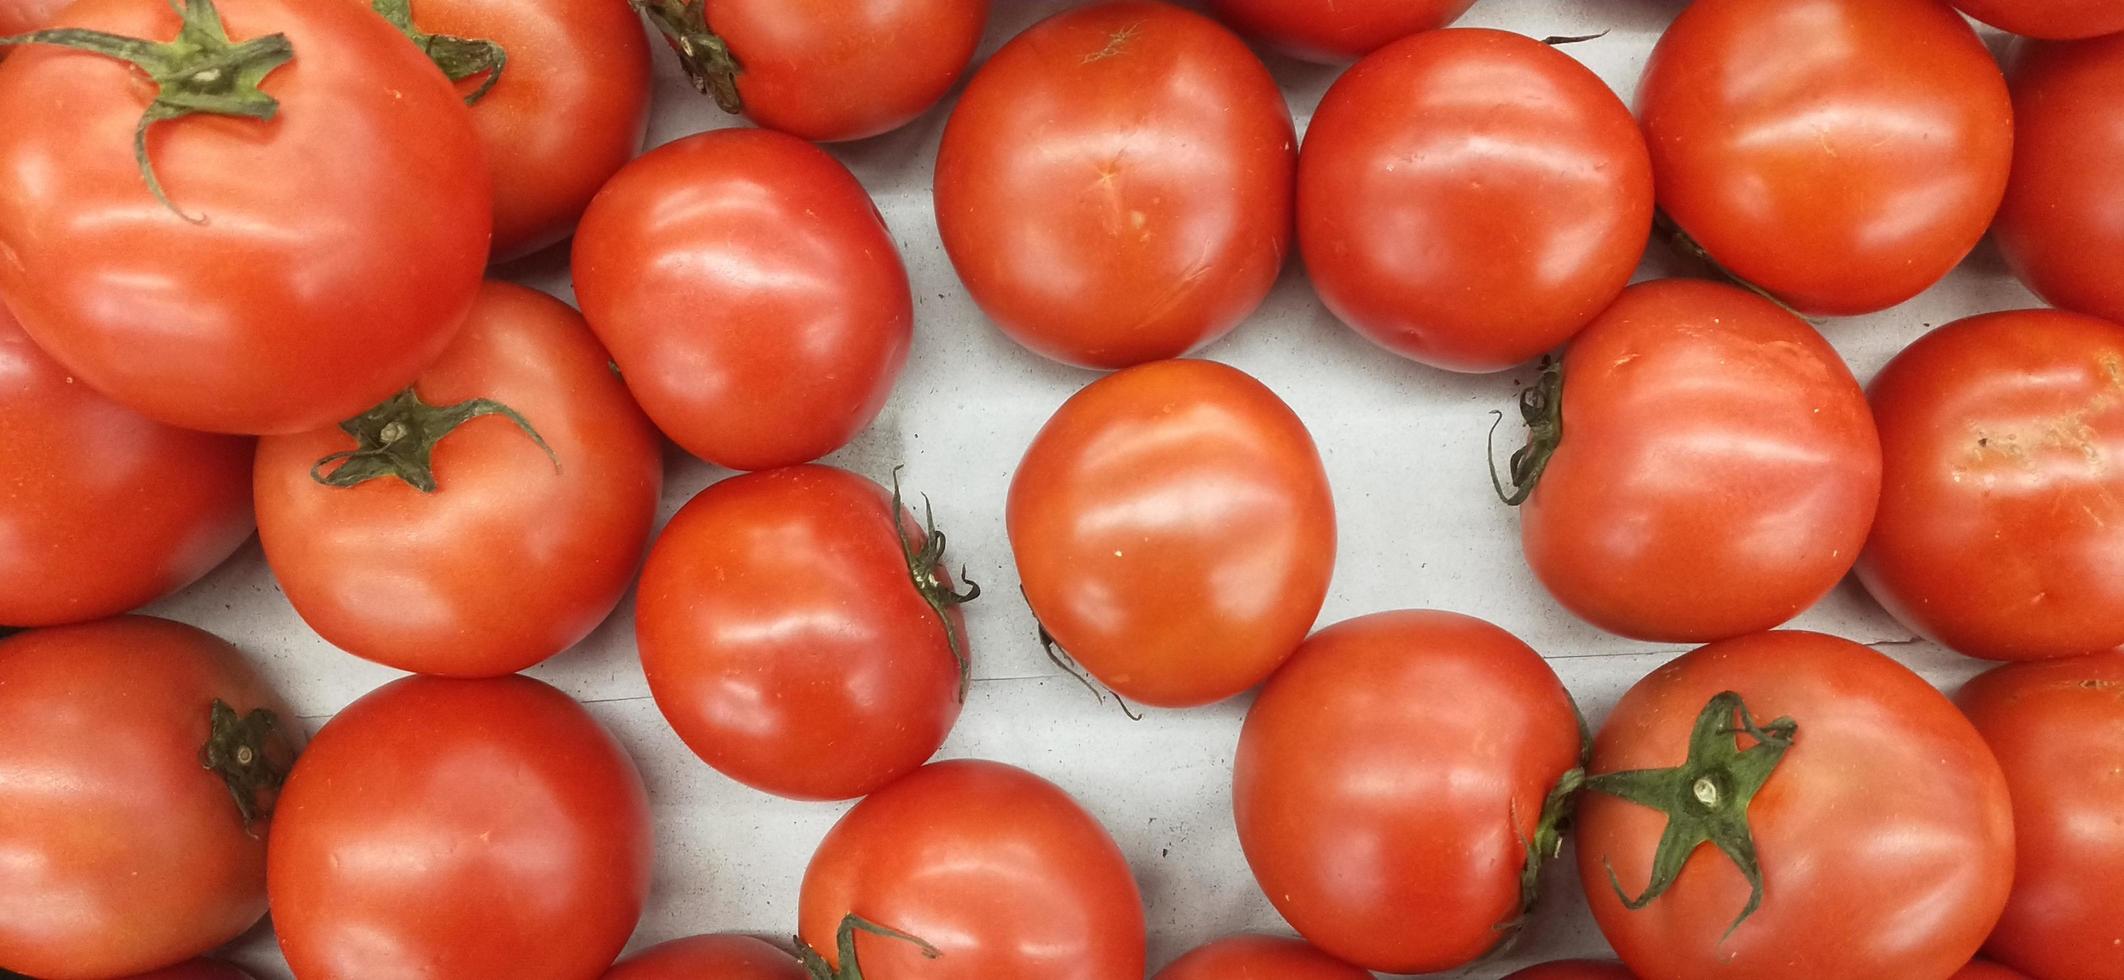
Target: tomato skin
{"x": 1980, "y": 970}
{"x": 1843, "y": 172}
{"x": 24, "y": 16}
{"x": 1121, "y": 577}
{"x": 1526, "y": 241}
{"x": 1248, "y": 957}
{"x": 2059, "y": 227}
{"x": 768, "y": 328}
{"x": 720, "y": 957}
{"x": 1469, "y": 728}
{"x": 506, "y": 835}
{"x": 298, "y": 302}
{"x": 2056, "y": 20}
{"x": 516, "y": 555}
{"x": 785, "y": 641}
{"x": 833, "y": 70}
{"x": 999, "y": 869}
{"x": 1136, "y": 226}
{"x": 197, "y": 970}
{"x": 125, "y": 852}
{"x": 1345, "y": 31}
{"x": 1575, "y": 970}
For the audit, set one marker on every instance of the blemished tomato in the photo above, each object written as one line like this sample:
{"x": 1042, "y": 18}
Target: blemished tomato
{"x": 106, "y": 510}
{"x": 2061, "y": 228}
{"x": 800, "y": 633}
{"x": 470, "y": 829}
{"x": 1524, "y": 176}
{"x": 1981, "y": 970}
{"x": 1259, "y": 958}
{"x": 138, "y": 773}
{"x": 1843, "y": 169}
{"x": 2057, "y": 20}
{"x": 2058, "y": 730}
{"x": 1342, "y": 30}
{"x": 722, "y": 957}
{"x": 1174, "y": 531}
{"x": 1575, "y": 970}
{"x": 1726, "y": 436}
{"x": 2002, "y": 506}
{"x": 998, "y": 869}
{"x": 196, "y": 970}
{"x": 1393, "y": 787}
{"x": 439, "y": 535}
{"x": 1874, "y": 818}
{"x": 767, "y": 327}
{"x": 250, "y": 301}
{"x": 24, "y": 16}
{"x": 1115, "y": 184}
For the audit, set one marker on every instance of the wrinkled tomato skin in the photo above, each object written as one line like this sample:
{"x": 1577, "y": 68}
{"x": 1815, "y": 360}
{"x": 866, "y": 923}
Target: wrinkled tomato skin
{"x": 1845, "y": 168}
{"x": 2061, "y": 227}
{"x": 1095, "y": 210}
{"x": 196, "y": 970}
{"x": 1345, "y": 31}
{"x": 2055, "y": 20}
{"x": 1250, "y": 957}
{"x": 1526, "y": 239}
{"x": 1575, "y": 970}
{"x": 722, "y": 957}
{"x": 834, "y": 70}
{"x": 24, "y": 16}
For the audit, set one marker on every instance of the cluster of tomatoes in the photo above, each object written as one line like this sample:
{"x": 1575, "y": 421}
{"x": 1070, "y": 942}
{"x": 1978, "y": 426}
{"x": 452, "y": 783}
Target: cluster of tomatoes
{"x": 243, "y": 254}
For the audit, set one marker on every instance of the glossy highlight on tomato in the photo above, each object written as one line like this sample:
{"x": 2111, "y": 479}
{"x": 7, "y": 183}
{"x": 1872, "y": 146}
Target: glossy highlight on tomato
{"x": 1248, "y": 957}
{"x": 723, "y": 957}
{"x": 2061, "y": 228}
{"x": 1342, "y": 30}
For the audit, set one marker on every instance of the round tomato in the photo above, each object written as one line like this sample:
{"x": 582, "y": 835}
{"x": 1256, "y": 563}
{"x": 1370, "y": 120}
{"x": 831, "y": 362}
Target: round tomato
{"x": 2061, "y": 227}
{"x": 1980, "y": 970}
{"x": 1533, "y": 210}
{"x": 2001, "y": 514}
{"x": 483, "y": 520}
{"x": 138, "y": 776}
{"x": 282, "y": 275}
{"x": 2058, "y": 20}
{"x": 1430, "y": 743}
{"x": 1337, "y": 31}
{"x": 2058, "y": 730}
{"x": 1793, "y": 805}
{"x": 767, "y": 327}
{"x": 1259, "y": 958}
{"x": 106, "y": 510}
{"x": 801, "y": 635}
{"x": 197, "y": 970}
{"x": 1115, "y": 184}
{"x": 24, "y": 16}
{"x": 710, "y": 958}
{"x": 971, "y": 870}
{"x": 1843, "y": 169}
{"x": 1728, "y": 443}
{"x": 1174, "y": 531}
{"x": 1575, "y": 970}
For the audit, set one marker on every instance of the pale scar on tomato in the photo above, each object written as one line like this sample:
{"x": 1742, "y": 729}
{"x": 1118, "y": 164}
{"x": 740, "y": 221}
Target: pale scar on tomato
{"x": 1115, "y": 42}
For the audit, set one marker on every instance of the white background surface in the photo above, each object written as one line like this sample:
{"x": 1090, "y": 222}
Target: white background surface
{"x": 1419, "y": 528}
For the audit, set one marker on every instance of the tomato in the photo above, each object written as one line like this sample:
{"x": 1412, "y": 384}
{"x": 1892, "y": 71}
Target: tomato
{"x": 471, "y": 545}
{"x": 1980, "y": 970}
{"x": 1393, "y": 787}
{"x": 801, "y": 635}
{"x": 717, "y": 957}
{"x": 138, "y": 773}
{"x": 2058, "y": 730}
{"x": 197, "y": 970}
{"x": 1115, "y": 184}
{"x": 767, "y": 327}
{"x": 2001, "y": 513}
{"x": 1873, "y": 820}
{"x": 298, "y": 272}
{"x": 1174, "y": 531}
{"x": 106, "y": 510}
{"x": 2060, "y": 227}
{"x": 1843, "y": 169}
{"x": 24, "y": 16}
{"x": 999, "y": 869}
{"x": 1575, "y": 970}
{"x": 1533, "y": 198}
{"x": 1342, "y": 30}
{"x": 1259, "y": 958}
{"x": 2058, "y": 20}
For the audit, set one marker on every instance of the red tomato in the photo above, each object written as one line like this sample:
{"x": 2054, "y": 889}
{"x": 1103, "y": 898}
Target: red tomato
{"x": 1725, "y": 437}
{"x": 2058, "y": 20}
{"x": 24, "y": 16}
{"x": 1878, "y": 819}
{"x": 2001, "y": 514}
{"x": 2061, "y": 228}
{"x": 999, "y": 869}
{"x": 1981, "y": 970}
{"x": 1115, "y": 184}
{"x": 1575, "y": 970}
{"x": 1843, "y": 169}
{"x": 1340, "y": 30}
{"x": 1393, "y": 786}
{"x": 2058, "y": 730}
{"x": 710, "y": 958}
{"x": 469, "y": 829}
{"x": 197, "y": 970}
{"x": 300, "y": 271}
{"x": 1174, "y": 531}
{"x": 1259, "y": 958}
{"x": 478, "y": 551}
{"x": 138, "y": 772}
{"x": 106, "y": 510}
{"x": 800, "y": 634}
{"x": 1523, "y": 175}
{"x": 767, "y": 327}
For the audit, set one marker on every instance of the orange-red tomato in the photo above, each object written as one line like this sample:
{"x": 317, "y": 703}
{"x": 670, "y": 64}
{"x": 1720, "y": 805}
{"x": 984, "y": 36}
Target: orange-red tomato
{"x": 1259, "y": 958}
{"x": 2061, "y": 227}
{"x": 1340, "y": 30}
{"x": 24, "y": 16}
{"x": 2058, "y": 20}
{"x": 1980, "y": 970}
{"x": 722, "y": 957}
{"x": 196, "y": 970}
{"x": 1115, "y": 185}
{"x": 1575, "y": 970}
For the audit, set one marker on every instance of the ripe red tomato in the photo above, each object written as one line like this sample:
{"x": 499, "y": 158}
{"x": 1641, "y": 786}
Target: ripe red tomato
{"x": 1341, "y": 30}
{"x": 1725, "y": 437}
{"x": 1174, "y": 531}
{"x": 138, "y": 773}
{"x": 2060, "y": 227}
{"x": 766, "y": 328}
{"x": 474, "y": 551}
{"x": 1877, "y": 818}
{"x": 1980, "y": 970}
{"x": 1259, "y": 958}
{"x": 1427, "y": 742}
{"x": 24, "y": 16}
{"x": 999, "y": 869}
{"x": 2001, "y": 515}
{"x": 2058, "y": 730}
{"x": 1575, "y": 970}
{"x": 1843, "y": 169}
{"x": 2058, "y": 20}
{"x": 1533, "y": 207}
{"x": 197, "y": 970}
{"x": 468, "y": 829}
{"x": 1115, "y": 184}
{"x": 301, "y": 270}
{"x": 722, "y": 957}
{"x": 801, "y": 635}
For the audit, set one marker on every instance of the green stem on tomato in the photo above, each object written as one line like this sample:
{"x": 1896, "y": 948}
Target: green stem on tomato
{"x": 458, "y": 57}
